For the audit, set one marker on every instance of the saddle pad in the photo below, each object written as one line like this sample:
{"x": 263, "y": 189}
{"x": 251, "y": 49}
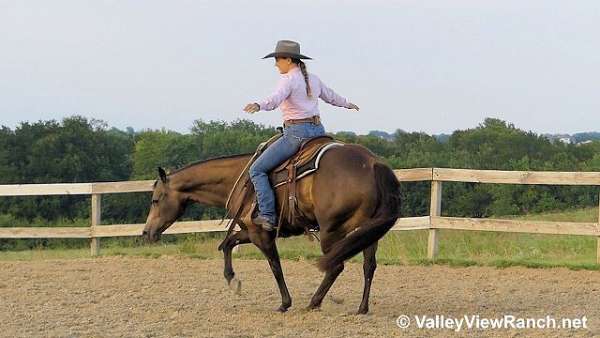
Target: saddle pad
{"x": 279, "y": 178}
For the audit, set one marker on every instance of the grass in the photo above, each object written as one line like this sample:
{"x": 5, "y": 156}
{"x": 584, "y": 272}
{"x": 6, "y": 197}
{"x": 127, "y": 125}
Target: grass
{"x": 457, "y": 248}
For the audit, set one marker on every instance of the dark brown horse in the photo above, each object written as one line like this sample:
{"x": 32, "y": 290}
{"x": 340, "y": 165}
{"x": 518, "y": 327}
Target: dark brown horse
{"x": 353, "y": 197}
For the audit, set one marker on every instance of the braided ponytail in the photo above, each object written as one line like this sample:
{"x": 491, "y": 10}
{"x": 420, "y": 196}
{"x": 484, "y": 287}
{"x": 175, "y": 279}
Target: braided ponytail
{"x": 302, "y": 66}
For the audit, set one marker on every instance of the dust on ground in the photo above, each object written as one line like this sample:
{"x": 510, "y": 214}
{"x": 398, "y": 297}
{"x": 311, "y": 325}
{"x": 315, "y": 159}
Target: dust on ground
{"x": 185, "y": 297}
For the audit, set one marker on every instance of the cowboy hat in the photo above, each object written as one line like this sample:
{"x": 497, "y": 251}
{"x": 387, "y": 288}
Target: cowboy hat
{"x": 287, "y": 48}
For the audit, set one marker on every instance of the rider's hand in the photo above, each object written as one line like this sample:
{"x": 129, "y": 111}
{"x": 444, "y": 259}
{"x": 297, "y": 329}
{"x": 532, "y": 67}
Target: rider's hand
{"x": 353, "y": 106}
{"x": 252, "y": 108}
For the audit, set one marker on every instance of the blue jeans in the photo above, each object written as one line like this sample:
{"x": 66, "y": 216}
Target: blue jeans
{"x": 282, "y": 149}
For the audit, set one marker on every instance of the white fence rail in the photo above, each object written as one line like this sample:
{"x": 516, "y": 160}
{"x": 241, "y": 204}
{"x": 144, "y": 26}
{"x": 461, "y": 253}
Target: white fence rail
{"x": 432, "y": 223}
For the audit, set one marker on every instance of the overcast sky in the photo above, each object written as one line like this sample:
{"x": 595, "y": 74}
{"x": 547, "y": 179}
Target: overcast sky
{"x": 432, "y": 66}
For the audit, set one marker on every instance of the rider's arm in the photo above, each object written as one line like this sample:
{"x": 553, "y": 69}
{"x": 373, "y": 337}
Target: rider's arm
{"x": 281, "y": 93}
{"x": 331, "y": 97}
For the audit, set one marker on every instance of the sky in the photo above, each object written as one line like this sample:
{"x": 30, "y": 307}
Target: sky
{"x": 430, "y": 66}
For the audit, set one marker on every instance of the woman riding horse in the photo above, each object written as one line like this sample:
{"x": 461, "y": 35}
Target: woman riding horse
{"x": 297, "y": 95}
{"x": 353, "y": 198}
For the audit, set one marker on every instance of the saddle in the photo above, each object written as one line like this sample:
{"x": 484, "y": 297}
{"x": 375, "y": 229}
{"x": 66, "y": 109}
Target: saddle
{"x": 241, "y": 203}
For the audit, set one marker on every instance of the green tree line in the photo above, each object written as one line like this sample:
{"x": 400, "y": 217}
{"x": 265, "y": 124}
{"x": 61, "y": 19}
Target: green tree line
{"x": 77, "y": 149}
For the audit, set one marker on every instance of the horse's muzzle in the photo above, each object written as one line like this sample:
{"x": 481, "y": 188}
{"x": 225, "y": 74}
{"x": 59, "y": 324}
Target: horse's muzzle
{"x": 150, "y": 236}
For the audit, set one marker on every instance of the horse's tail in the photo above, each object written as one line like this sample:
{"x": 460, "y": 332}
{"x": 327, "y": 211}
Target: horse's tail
{"x": 384, "y": 217}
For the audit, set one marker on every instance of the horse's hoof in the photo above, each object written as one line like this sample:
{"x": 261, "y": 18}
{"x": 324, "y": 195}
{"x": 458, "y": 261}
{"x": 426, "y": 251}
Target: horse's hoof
{"x": 228, "y": 279}
{"x": 313, "y": 308}
{"x": 362, "y": 311}
{"x": 282, "y": 309}
{"x": 236, "y": 286}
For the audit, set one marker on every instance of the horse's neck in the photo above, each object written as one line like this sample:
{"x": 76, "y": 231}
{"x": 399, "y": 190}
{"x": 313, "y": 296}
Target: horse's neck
{"x": 210, "y": 182}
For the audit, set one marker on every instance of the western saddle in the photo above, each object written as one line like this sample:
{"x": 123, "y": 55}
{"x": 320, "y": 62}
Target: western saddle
{"x": 241, "y": 203}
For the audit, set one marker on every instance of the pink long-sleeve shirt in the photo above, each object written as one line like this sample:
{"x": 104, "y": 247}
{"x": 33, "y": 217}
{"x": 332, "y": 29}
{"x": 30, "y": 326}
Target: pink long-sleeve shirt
{"x": 291, "y": 97}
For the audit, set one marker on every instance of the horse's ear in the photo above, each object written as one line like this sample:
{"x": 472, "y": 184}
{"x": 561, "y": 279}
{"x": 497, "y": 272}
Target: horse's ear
{"x": 162, "y": 174}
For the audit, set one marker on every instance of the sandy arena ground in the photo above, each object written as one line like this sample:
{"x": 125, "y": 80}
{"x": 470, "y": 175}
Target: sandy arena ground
{"x": 184, "y": 297}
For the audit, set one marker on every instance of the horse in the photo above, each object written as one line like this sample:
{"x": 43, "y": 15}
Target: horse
{"x": 353, "y": 198}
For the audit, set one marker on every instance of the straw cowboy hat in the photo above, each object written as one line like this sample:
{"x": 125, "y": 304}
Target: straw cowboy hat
{"x": 289, "y": 49}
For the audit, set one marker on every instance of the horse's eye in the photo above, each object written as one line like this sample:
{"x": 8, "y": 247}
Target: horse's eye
{"x": 154, "y": 201}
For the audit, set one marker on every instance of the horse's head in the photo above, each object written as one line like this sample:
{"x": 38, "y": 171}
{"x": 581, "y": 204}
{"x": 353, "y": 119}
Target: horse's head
{"x": 167, "y": 206}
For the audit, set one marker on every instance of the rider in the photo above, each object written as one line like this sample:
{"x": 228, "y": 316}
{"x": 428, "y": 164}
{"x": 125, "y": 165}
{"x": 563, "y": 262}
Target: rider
{"x": 297, "y": 94}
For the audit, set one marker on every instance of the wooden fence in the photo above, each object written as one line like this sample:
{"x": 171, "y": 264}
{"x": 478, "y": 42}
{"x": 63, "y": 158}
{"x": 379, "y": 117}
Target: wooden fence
{"x": 432, "y": 223}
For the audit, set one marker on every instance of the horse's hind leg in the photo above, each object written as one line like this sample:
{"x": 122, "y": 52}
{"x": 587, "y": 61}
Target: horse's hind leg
{"x": 330, "y": 277}
{"x": 240, "y": 237}
{"x": 327, "y": 240}
{"x": 369, "y": 266}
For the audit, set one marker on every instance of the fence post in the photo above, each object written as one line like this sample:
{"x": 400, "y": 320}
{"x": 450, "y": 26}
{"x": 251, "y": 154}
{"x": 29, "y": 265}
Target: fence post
{"x": 435, "y": 209}
{"x": 96, "y": 212}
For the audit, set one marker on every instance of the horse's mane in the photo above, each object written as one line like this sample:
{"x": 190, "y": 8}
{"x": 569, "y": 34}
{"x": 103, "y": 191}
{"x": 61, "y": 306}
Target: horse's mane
{"x": 224, "y": 157}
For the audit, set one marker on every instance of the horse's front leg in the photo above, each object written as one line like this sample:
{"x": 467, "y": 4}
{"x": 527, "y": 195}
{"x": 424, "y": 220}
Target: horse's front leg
{"x": 236, "y": 238}
{"x": 265, "y": 241}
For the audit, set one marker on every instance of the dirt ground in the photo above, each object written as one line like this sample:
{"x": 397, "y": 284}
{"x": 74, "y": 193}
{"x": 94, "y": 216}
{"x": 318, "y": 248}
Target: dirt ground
{"x": 184, "y": 297}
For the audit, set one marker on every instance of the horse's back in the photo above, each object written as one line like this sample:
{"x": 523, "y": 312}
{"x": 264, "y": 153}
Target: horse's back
{"x": 351, "y": 160}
